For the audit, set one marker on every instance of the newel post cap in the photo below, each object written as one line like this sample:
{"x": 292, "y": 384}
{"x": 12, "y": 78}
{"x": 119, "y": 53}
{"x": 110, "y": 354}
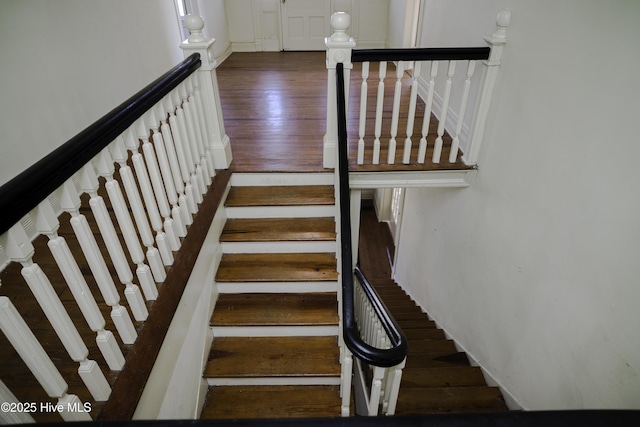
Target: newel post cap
{"x": 195, "y": 24}
{"x": 502, "y": 23}
{"x": 340, "y": 22}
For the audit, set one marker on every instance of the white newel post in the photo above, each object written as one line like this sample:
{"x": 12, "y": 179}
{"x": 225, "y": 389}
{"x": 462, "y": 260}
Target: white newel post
{"x": 496, "y": 42}
{"x": 339, "y": 47}
{"x": 207, "y": 84}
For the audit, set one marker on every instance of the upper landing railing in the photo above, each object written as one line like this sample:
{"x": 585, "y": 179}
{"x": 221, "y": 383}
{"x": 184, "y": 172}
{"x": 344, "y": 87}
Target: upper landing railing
{"x": 424, "y": 115}
{"x": 162, "y": 146}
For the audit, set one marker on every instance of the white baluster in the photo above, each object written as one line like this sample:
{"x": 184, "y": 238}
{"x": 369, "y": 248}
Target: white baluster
{"x": 394, "y": 376}
{"x": 176, "y": 168}
{"x": 157, "y": 182}
{"x": 443, "y": 114}
{"x": 395, "y": 114}
{"x": 70, "y": 202}
{"x": 47, "y": 223}
{"x": 190, "y": 157}
{"x": 192, "y": 139}
{"x": 417, "y": 69}
{"x": 345, "y": 382}
{"x": 455, "y": 144}
{"x": 89, "y": 184}
{"x": 426, "y": 120}
{"x": 376, "y": 390}
{"x": 363, "y": 111}
{"x": 12, "y": 417}
{"x": 149, "y": 199}
{"x": 168, "y": 179}
{"x": 105, "y": 166}
{"x": 149, "y": 122}
{"x": 204, "y": 130}
{"x": 182, "y": 149}
{"x": 207, "y": 169}
{"x": 379, "y": 109}
{"x": 119, "y": 153}
{"x": 20, "y": 249}
{"x": 36, "y": 359}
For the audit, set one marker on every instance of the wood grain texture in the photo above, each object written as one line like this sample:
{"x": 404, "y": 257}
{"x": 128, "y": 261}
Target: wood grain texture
{"x": 272, "y": 402}
{"x": 289, "y": 195}
{"x": 129, "y": 385}
{"x": 277, "y": 357}
{"x": 274, "y": 106}
{"x": 277, "y": 267}
{"x": 310, "y": 309}
{"x": 278, "y": 229}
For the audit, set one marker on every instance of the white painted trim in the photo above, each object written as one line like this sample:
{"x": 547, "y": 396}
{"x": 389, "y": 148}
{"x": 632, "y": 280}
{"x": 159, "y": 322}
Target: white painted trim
{"x": 275, "y": 331}
{"x": 281, "y": 211}
{"x": 452, "y": 115}
{"x": 454, "y": 178}
{"x": 276, "y": 287}
{"x": 510, "y": 400}
{"x": 173, "y": 389}
{"x": 291, "y": 380}
{"x": 245, "y": 179}
{"x": 245, "y": 47}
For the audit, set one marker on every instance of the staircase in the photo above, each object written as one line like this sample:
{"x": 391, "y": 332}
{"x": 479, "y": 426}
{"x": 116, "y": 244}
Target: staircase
{"x": 437, "y": 377}
{"x": 275, "y": 324}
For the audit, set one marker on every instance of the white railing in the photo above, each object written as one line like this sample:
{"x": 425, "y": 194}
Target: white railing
{"x": 380, "y": 393}
{"x": 426, "y": 82}
{"x": 152, "y": 158}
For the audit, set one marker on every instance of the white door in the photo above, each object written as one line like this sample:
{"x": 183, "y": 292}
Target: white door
{"x": 305, "y": 24}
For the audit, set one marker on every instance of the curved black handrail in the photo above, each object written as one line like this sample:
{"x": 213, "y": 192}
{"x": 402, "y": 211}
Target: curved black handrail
{"x": 24, "y": 192}
{"x": 421, "y": 54}
{"x": 369, "y": 354}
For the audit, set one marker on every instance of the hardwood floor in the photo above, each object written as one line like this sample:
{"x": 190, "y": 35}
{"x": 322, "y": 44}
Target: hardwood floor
{"x": 274, "y": 107}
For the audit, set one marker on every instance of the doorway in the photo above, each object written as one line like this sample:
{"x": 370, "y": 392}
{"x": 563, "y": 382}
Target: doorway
{"x": 305, "y": 24}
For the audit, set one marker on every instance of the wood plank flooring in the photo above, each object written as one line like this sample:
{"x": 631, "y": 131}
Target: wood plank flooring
{"x": 274, "y": 108}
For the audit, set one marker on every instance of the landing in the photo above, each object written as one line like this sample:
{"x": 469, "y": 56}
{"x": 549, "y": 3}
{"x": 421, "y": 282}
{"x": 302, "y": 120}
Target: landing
{"x": 275, "y": 105}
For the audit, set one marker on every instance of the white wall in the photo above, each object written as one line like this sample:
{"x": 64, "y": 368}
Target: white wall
{"x": 66, "y": 63}
{"x": 534, "y": 269}
{"x": 215, "y": 18}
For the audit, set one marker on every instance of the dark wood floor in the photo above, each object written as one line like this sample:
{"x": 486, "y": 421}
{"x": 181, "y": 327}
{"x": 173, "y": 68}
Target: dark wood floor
{"x": 274, "y": 107}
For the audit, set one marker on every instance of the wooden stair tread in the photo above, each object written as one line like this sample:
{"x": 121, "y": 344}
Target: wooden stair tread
{"x": 437, "y": 359}
{"x": 288, "y": 195}
{"x": 447, "y": 376}
{"x": 273, "y": 357}
{"x": 449, "y": 399}
{"x": 278, "y": 229}
{"x": 424, "y": 334}
{"x": 416, "y": 347}
{"x": 277, "y": 267}
{"x": 276, "y": 309}
{"x": 272, "y": 402}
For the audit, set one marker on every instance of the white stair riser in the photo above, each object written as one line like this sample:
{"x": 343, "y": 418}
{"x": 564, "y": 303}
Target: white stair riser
{"x": 278, "y": 247}
{"x": 280, "y": 211}
{"x": 273, "y": 381}
{"x": 274, "y": 331}
{"x": 276, "y": 287}
{"x": 278, "y": 179}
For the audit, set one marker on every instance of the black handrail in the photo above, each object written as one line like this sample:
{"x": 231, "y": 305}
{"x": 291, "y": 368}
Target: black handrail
{"x": 24, "y": 192}
{"x": 421, "y": 54}
{"x": 369, "y": 354}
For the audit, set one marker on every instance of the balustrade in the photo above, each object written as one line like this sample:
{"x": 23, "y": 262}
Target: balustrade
{"x": 133, "y": 179}
{"x": 405, "y": 98}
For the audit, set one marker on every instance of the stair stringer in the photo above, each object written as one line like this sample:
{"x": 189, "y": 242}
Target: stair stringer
{"x": 175, "y": 388}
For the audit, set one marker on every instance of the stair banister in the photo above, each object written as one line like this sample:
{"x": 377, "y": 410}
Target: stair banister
{"x": 378, "y": 356}
{"x": 215, "y": 139}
